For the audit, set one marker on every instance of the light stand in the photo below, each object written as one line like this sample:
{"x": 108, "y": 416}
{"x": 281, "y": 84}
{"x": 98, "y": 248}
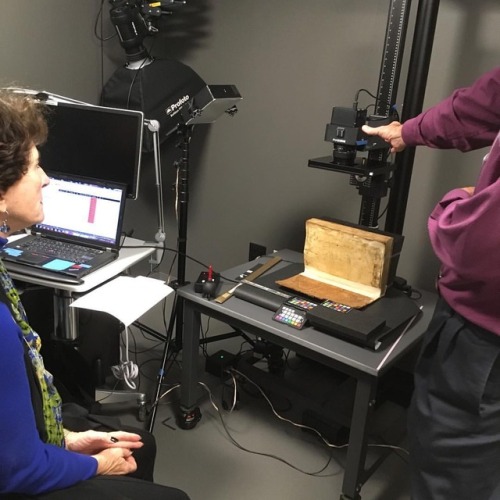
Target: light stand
{"x": 173, "y": 98}
{"x": 205, "y": 108}
{"x": 178, "y": 305}
{"x": 183, "y": 199}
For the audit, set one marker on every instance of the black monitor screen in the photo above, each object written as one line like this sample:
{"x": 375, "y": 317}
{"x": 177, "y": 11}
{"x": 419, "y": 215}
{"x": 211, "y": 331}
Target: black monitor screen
{"x": 94, "y": 141}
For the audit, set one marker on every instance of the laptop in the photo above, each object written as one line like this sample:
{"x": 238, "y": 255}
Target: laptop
{"x": 79, "y": 234}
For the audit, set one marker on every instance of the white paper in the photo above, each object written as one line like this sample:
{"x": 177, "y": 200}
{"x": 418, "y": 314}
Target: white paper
{"x": 126, "y": 298}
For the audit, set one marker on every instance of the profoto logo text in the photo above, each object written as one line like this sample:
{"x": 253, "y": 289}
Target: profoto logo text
{"x": 173, "y": 108}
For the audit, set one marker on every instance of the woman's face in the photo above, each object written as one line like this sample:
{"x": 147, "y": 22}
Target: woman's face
{"x": 23, "y": 200}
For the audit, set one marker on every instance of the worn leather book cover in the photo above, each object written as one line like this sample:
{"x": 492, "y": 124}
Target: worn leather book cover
{"x": 342, "y": 263}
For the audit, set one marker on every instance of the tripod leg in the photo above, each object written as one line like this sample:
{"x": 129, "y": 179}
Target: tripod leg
{"x": 161, "y": 371}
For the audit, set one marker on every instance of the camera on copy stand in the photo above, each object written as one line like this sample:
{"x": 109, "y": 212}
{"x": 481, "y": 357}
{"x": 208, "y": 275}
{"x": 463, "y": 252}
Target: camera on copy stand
{"x": 345, "y": 133}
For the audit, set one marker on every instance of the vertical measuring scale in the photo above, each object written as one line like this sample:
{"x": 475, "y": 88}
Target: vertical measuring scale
{"x": 374, "y": 187}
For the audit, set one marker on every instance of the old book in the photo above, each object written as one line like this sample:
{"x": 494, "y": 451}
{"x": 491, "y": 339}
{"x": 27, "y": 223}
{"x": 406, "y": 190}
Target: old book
{"x": 343, "y": 263}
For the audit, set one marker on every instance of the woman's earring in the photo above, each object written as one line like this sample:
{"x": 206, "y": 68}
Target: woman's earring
{"x": 5, "y": 228}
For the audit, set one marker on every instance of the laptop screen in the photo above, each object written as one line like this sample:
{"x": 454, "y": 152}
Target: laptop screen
{"x": 94, "y": 141}
{"x": 83, "y": 209}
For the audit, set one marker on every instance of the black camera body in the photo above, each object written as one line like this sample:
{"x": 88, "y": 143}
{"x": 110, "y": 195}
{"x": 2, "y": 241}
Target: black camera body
{"x": 344, "y": 132}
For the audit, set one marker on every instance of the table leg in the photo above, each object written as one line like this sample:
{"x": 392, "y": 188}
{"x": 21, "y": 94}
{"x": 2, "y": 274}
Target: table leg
{"x": 65, "y": 316}
{"x": 358, "y": 438}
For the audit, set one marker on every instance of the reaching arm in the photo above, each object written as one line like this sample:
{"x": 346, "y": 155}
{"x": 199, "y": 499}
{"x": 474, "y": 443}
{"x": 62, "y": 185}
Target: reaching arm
{"x": 468, "y": 119}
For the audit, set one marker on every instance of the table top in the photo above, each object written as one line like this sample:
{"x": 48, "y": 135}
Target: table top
{"x": 127, "y": 257}
{"x": 313, "y": 340}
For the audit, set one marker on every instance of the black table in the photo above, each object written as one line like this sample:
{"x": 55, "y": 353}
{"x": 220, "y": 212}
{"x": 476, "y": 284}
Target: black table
{"x": 364, "y": 365}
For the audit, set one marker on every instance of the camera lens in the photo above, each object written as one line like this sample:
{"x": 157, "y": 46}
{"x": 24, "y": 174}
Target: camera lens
{"x": 344, "y": 155}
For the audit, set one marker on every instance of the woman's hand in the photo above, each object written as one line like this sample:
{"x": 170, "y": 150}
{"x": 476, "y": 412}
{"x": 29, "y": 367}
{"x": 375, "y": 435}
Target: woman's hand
{"x": 91, "y": 442}
{"x": 115, "y": 462}
{"x": 389, "y": 133}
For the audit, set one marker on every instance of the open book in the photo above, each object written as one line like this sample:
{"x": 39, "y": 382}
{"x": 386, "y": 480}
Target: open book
{"x": 343, "y": 263}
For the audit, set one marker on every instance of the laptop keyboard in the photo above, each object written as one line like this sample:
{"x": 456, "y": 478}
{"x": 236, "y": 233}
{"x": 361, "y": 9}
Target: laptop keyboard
{"x": 60, "y": 249}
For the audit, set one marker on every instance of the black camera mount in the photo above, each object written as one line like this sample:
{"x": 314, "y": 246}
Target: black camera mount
{"x": 365, "y": 158}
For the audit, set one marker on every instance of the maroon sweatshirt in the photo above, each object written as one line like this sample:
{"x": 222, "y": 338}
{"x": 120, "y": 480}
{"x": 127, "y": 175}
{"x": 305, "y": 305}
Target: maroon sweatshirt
{"x": 464, "y": 229}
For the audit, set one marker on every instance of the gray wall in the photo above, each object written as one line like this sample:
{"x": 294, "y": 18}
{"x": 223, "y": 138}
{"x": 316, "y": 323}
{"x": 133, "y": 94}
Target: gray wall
{"x": 292, "y": 61}
{"x": 50, "y": 45}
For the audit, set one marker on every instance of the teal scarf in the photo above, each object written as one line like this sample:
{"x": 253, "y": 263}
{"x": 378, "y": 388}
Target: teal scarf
{"x": 50, "y": 397}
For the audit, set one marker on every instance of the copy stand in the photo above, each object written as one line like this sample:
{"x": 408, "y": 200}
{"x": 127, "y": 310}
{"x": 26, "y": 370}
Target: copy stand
{"x": 372, "y": 177}
{"x": 375, "y": 177}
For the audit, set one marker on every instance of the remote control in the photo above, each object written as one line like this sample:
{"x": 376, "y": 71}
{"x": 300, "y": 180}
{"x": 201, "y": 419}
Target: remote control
{"x": 288, "y": 315}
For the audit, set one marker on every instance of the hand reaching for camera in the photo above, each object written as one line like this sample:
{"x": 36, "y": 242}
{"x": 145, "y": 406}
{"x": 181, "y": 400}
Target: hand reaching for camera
{"x": 389, "y": 133}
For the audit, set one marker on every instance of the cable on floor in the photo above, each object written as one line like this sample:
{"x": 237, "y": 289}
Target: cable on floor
{"x": 269, "y": 455}
{"x": 302, "y": 426}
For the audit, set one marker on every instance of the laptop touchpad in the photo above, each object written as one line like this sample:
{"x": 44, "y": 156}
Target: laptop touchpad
{"x": 32, "y": 259}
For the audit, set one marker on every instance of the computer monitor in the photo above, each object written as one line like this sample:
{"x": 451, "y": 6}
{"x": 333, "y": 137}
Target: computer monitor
{"x": 95, "y": 141}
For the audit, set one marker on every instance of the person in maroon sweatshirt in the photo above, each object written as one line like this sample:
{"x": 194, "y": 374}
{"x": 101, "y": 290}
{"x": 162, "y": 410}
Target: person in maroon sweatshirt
{"x": 454, "y": 416}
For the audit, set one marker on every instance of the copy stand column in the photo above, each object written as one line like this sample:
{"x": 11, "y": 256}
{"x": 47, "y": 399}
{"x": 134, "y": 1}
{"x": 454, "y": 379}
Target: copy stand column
{"x": 373, "y": 186}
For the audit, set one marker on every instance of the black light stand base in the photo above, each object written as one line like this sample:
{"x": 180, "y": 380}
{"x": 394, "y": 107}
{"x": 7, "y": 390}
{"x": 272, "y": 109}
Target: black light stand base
{"x": 188, "y": 419}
